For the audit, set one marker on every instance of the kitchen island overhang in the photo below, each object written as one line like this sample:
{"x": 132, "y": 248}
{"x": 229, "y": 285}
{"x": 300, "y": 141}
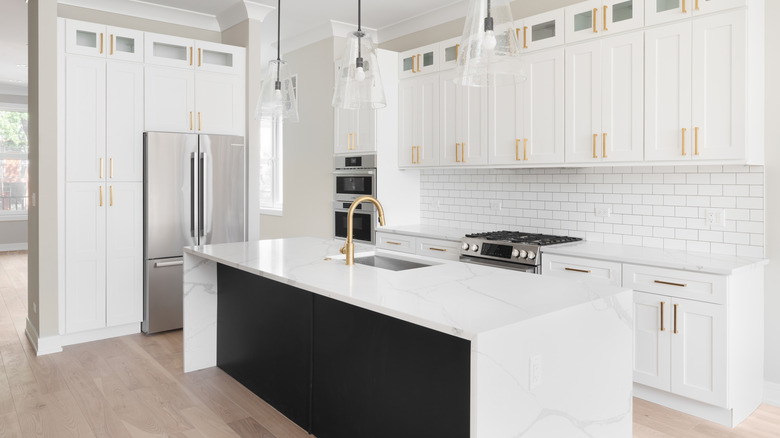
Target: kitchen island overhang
{"x": 549, "y": 357}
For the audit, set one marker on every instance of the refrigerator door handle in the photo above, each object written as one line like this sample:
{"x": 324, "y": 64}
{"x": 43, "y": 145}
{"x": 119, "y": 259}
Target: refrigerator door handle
{"x": 167, "y": 264}
{"x": 192, "y": 194}
{"x": 201, "y": 193}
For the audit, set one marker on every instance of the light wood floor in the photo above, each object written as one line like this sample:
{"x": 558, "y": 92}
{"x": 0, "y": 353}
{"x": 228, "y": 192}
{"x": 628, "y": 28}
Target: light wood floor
{"x": 134, "y": 386}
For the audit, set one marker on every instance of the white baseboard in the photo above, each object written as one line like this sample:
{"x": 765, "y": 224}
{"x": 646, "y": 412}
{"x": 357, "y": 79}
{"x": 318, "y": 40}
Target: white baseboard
{"x": 54, "y": 344}
{"x": 772, "y": 393}
{"x": 43, "y": 346}
{"x": 4, "y": 247}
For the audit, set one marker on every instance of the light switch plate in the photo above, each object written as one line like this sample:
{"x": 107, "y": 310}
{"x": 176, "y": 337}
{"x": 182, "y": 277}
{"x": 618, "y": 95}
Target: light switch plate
{"x": 495, "y": 205}
{"x": 603, "y": 211}
{"x": 715, "y": 217}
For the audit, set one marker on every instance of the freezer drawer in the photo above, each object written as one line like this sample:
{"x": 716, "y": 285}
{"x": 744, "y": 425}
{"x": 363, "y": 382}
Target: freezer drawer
{"x": 163, "y": 295}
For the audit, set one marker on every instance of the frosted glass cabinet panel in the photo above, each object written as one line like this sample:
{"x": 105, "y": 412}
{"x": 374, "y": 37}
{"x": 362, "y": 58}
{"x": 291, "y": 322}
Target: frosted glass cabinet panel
{"x": 601, "y": 17}
{"x": 449, "y": 51}
{"x": 92, "y": 39}
{"x": 541, "y": 31}
{"x": 419, "y": 61}
{"x": 662, "y": 11}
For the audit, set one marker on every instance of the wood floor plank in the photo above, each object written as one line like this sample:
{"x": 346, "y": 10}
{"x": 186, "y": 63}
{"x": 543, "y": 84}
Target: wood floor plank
{"x": 52, "y": 415}
{"x": 249, "y": 428}
{"x": 207, "y": 423}
{"x": 9, "y": 426}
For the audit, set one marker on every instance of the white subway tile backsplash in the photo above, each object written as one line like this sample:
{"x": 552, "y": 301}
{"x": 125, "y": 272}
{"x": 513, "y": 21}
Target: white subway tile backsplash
{"x": 660, "y": 206}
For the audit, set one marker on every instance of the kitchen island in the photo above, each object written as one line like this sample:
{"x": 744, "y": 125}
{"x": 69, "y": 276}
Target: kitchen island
{"x": 543, "y": 356}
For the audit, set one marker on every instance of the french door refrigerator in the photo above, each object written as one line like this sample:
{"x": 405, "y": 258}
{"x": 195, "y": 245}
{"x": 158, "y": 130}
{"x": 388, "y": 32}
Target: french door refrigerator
{"x": 194, "y": 189}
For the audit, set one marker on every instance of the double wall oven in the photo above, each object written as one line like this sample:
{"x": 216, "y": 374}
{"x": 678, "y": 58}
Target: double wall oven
{"x": 355, "y": 176}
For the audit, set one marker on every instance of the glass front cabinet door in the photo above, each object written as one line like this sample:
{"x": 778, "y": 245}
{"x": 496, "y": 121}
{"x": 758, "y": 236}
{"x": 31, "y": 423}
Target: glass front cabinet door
{"x": 663, "y": 11}
{"x": 83, "y": 38}
{"x": 419, "y": 61}
{"x": 541, "y": 31}
{"x": 603, "y": 17}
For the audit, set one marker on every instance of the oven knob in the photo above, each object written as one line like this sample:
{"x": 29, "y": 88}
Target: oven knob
{"x": 515, "y": 253}
{"x": 465, "y": 246}
{"x": 531, "y": 255}
{"x": 475, "y": 247}
{"x": 522, "y": 254}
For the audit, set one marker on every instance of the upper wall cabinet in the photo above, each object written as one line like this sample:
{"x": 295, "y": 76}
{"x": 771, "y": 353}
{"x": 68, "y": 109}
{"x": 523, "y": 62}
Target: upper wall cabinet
{"x": 92, "y": 39}
{"x": 604, "y": 100}
{"x": 419, "y": 61}
{"x": 663, "y": 11}
{"x": 696, "y": 90}
{"x": 418, "y": 121}
{"x": 173, "y": 51}
{"x": 463, "y": 122}
{"x": 449, "y": 51}
{"x": 596, "y": 18}
{"x": 540, "y": 31}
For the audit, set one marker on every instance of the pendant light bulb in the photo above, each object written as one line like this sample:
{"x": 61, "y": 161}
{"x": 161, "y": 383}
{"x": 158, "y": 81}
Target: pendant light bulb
{"x": 489, "y": 41}
{"x": 278, "y": 97}
{"x": 360, "y": 73}
{"x": 278, "y": 92}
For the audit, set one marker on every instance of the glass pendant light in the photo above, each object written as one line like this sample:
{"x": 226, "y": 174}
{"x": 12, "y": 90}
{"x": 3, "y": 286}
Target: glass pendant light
{"x": 277, "y": 95}
{"x": 358, "y": 83}
{"x": 491, "y": 53}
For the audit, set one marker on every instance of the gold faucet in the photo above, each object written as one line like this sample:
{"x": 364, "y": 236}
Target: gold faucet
{"x": 349, "y": 248}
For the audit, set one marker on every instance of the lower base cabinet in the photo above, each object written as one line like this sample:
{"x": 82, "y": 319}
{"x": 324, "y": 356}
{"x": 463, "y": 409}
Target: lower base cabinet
{"x": 338, "y": 370}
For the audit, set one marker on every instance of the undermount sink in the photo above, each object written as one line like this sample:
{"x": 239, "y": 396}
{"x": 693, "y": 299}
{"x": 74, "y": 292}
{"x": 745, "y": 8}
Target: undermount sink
{"x": 389, "y": 263}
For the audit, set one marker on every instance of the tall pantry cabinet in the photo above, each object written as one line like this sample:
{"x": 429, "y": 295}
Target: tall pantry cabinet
{"x": 103, "y": 126}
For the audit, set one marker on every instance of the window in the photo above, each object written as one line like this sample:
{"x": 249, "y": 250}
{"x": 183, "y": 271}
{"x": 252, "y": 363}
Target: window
{"x": 13, "y": 163}
{"x": 271, "y": 163}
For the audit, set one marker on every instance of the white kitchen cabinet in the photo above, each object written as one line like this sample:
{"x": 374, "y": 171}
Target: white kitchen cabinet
{"x": 422, "y": 60}
{"x": 576, "y": 268}
{"x": 85, "y": 256}
{"x": 355, "y": 130}
{"x": 696, "y": 88}
{"x": 396, "y": 242}
{"x": 463, "y": 120}
{"x": 596, "y": 18}
{"x": 124, "y": 254}
{"x": 652, "y": 340}
{"x": 420, "y": 245}
{"x": 540, "y": 31}
{"x": 604, "y": 100}
{"x": 663, "y": 11}
{"x": 506, "y": 142}
{"x": 543, "y": 115}
{"x": 93, "y": 39}
{"x": 418, "y": 121}
{"x": 104, "y": 120}
{"x": 449, "y": 51}
{"x": 180, "y": 100}
{"x": 171, "y": 51}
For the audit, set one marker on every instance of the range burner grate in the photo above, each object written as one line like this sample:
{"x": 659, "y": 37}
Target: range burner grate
{"x": 520, "y": 237}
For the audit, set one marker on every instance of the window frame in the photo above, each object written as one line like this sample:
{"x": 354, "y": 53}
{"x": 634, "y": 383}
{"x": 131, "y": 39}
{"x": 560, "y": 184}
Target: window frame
{"x": 14, "y": 215}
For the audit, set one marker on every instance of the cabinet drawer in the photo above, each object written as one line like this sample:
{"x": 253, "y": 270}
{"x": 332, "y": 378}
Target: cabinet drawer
{"x": 395, "y": 242}
{"x": 440, "y": 249}
{"x": 581, "y": 269}
{"x": 675, "y": 283}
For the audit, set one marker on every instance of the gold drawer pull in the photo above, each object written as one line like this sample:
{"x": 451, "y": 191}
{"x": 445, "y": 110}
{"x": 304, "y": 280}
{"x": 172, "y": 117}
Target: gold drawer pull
{"x": 101, "y": 167}
{"x": 525, "y": 149}
{"x": 595, "y": 12}
{"x": 437, "y": 249}
{"x": 111, "y": 196}
{"x": 101, "y": 196}
{"x": 457, "y": 48}
{"x": 112, "y": 45}
{"x": 595, "y": 136}
{"x": 525, "y": 37}
{"x": 663, "y": 329}
{"x": 111, "y": 168}
{"x": 685, "y": 11}
{"x": 605, "y": 17}
{"x": 671, "y": 284}
{"x": 696, "y": 142}
{"x": 604, "y": 142}
{"x": 675, "y": 319}
{"x": 684, "y": 130}
{"x": 578, "y": 270}
{"x": 101, "y": 43}
{"x": 392, "y": 243}
{"x": 517, "y": 149}
{"x": 457, "y": 146}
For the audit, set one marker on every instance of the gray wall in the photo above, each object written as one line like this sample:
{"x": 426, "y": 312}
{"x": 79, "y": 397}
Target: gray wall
{"x": 308, "y": 149}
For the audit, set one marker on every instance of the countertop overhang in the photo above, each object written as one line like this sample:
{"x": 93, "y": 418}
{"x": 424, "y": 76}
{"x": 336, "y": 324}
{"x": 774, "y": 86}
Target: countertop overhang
{"x": 461, "y": 299}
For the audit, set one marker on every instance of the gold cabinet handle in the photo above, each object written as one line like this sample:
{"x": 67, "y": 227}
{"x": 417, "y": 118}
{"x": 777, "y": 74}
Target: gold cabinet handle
{"x": 577, "y": 270}
{"x": 190, "y": 59}
{"x": 696, "y": 142}
{"x": 101, "y": 168}
{"x": 685, "y": 11}
{"x": 697, "y": 5}
{"x": 111, "y": 168}
{"x": 191, "y": 122}
{"x": 110, "y": 196}
{"x": 605, "y": 18}
{"x": 112, "y": 45}
{"x": 525, "y": 37}
{"x": 517, "y": 149}
{"x": 595, "y": 136}
{"x": 675, "y": 309}
{"x": 525, "y": 149}
{"x": 457, "y": 145}
{"x": 671, "y": 284}
{"x": 604, "y": 145}
{"x": 418, "y": 154}
{"x": 413, "y": 70}
{"x": 684, "y": 130}
{"x": 101, "y": 43}
{"x": 413, "y": 160}
{"x": 463, "y": 152}
{"x": 101, "y": 196}
{"x": 437, "y": 249}
{"x": 517, "y": 33}
{"x": 419, "y": 67}
{"x": 663, "y": 329}
{"x": 457, "y": 48}
{"x": 200, "y": 51}
{"x": 200, "y": 121}
{"x": 392, "y": 243}
{"x": 595, "y": 13}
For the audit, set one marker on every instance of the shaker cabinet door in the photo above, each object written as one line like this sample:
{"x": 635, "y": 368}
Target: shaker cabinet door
{"x": 124, "y": 121}
{"x": 85, "y": 120}
{"x": 652, "y": 340}
{"x": 583, "y": 103}
{"x": 169, "y": 103}
{"x": 219, "y": 104}
{"x": 543, "y": 109}
{"x": 124, "y": 253}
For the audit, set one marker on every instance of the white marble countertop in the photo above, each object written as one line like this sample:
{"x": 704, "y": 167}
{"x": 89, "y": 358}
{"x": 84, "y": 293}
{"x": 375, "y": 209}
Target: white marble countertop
{"x": 451, "y": 297}
{"x": 418, "y": 230}
{"x": 663, "y": 258}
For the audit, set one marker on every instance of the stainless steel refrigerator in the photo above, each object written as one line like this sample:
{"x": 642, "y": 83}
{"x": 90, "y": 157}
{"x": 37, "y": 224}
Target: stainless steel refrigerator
{"x": 194, "y": 194}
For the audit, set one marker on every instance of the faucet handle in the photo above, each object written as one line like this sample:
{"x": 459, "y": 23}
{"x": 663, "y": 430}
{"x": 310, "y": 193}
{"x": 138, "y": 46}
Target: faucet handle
{"x": 343, "y": 249}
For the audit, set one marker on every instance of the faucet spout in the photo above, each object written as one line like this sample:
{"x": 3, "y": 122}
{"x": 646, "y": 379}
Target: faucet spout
{"x": 349, "y": 246}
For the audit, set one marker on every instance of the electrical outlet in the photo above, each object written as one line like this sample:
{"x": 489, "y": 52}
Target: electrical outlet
{"x": 603, "y": 211}
{"x": 535, "y": 371}
{"x": 715, "y": 217}
{"x": 495, "y": 205}
{"x": 35, "y": 307}
{"x": 437, "y": 204}
{"x": 32, "y": 199}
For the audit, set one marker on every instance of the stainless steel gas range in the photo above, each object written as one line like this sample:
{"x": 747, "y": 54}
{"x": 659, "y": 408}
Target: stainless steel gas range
{"x": 508, "y": 249}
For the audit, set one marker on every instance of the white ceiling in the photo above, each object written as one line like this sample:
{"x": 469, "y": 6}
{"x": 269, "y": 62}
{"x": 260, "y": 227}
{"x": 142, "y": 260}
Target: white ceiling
{"x": 13, "y": 47}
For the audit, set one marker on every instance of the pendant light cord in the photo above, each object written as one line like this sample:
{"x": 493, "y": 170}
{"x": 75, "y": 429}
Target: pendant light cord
{"x": 278, "y": 42}
{"x": 359, "y": 30}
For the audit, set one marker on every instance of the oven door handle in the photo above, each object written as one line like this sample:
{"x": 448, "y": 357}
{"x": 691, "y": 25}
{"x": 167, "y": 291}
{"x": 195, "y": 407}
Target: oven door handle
{"x": 362, "y": 172}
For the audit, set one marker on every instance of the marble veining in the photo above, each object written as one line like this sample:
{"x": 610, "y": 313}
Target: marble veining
{"x": 663, "y": 258}
{"x": 429, "y": 231}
